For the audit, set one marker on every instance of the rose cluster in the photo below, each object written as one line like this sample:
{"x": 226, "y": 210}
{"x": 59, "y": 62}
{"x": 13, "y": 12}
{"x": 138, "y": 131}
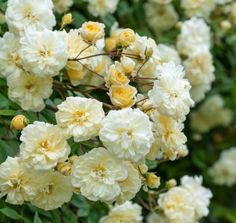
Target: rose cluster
{"x": 147, "y": 96}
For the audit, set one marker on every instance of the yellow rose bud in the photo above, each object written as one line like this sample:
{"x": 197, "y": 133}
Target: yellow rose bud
{"x": 76, "y": 190}
{"x": 152, "y": 180}
{"x": 122, "y": 95}
{"x": 19, "y": 122}
{"x": 92, "y": 31}
{"x": 116, "y": 76}
{"x": 178, "y": 25}
{"x": 149, "y": 52}
{"x": 226, "y": 25}
{"x": 169, "y": 153}
{"x": 67, "y": 19}
{"x": 127, "y": 37}
{"x": 183, "y": 152}
{"x": 72, "y": 159}
{"x": 64, "y": 168}
{"x": 143, "y": 168}
{"x": 111, "y": 43}
{"x": 75, "y": 72}
{"x": 127, "y": 64}
{"x": 171, "y": 183}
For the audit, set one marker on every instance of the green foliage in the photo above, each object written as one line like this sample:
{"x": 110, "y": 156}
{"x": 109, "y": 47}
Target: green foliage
{"x": 203, "y": 153}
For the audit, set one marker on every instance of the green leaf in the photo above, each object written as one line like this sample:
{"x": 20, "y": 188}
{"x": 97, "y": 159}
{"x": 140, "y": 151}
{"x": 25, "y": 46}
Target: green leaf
{"x": 10, "y": 213}
{"x": 37, "y": 218}
{"x": 7, "y": 112}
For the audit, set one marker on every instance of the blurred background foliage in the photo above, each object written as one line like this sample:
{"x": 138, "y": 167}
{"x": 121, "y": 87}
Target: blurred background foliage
{"x": 203, "y": 153}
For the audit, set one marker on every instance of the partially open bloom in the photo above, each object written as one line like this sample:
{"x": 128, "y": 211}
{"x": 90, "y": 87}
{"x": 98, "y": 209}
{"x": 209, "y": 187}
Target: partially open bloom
{"x": 122, "y": 96}
{"x": 55, "y": 190}
{"x": 43, "y": 53}
{"x": 127, "y": 133}
{"x": 125, "y": 213}
{"x": 29, "y": 91}
{"x": 80, "y": 117}
{"x": 17, "y": 182}
{"x": 102, "y": 7}
{"x": 126, "y": 37}
{"x": 152, "y": 180}
{"x": 43, "y": 146}
{"x": 170, "y": 94}
{"x": 116, "y": 75}
{"x": 97, "y": 174}
{"x": 223, "y": 171}
{"x": 92, "y": 31}
{"x": 10, "y": 62}
{"x": 29, "y": 14}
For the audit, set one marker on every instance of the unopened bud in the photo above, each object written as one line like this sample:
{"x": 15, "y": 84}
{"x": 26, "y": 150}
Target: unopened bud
{"x": 64, "y": 168}
{"x": 149, "y": 52}
{"x": 226, "y": 25}
{"x": 143, "y": 168}
{"x": 76, "y": 190}
{"x": 183, "y": 152}
{"x": 178, "y": 25}
{"x": 19, "y": 122}
{"x": 66, "y": 20}
{"x": 171, "y": 183}
{"x": 110, "y": 43}
{"x": 152, "y": 180}
{"x": 72, "y": 159}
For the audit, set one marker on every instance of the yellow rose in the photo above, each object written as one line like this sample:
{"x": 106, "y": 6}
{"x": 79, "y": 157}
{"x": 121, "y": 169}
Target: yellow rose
{"x": 66, "y": 20}
{"x": 152, "y": 180}
{"x": 127, "y": 37}
{"x": 128, "y": 64}
{"x": 111, "y": 43}
{"x": 116, "y": 76}
{"x": 19, "y": 122}
{"x": 75, "y": 72}
{"x": 92, "y": 31}
{"x": 122, "y": 95}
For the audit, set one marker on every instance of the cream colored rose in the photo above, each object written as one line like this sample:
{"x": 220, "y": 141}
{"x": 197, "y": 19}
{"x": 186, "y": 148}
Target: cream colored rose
{"x": 127, "y": 37}
{"x": 116, "y": 76}
{"x": 92, "y": 31}
{"x": 122, "y": 96}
